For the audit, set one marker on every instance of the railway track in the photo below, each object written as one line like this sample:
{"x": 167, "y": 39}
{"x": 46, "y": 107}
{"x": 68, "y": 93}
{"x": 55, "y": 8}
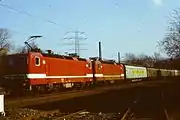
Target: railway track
{"x": 137, "y": 111}
{"x": 10, "y": 96}
{"x": 130, "y": 115}
{"x": 43, "y": 99}
{"x": 110, "y": 105}
{"x": 34, "y": 100}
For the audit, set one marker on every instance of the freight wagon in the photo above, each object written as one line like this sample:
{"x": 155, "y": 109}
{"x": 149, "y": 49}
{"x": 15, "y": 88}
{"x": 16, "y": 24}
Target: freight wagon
{"x": 153, "y": 73}
{"x": 135, "y": 73}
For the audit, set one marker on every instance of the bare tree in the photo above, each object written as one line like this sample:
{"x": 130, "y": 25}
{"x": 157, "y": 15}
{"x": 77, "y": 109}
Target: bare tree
{"x": 157, "y": 56}
{"x": 171, "y": 42}
{"x": 130, "y": 58}
{"x": 142, "y": 59}
{"x": 5, "y": 44}
{"x": 146, "y": 60}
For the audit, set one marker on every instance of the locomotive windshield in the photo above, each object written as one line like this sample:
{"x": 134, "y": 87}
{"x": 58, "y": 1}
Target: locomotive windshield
{"x": 16, "y": 63}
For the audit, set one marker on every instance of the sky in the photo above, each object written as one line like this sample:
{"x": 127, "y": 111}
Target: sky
{"x": 125, "y": 26}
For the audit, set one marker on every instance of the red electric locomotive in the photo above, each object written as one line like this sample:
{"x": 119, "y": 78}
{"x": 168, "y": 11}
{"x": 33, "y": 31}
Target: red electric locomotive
{"x": 37, "y": 71}
{"x": 108, "y": 71}
{"x": 112, "y": 72}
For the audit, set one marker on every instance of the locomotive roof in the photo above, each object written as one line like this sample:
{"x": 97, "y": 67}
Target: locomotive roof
{"x": 104, "y": 60}
{"x": 62, "y": 56}
{"x": 108, "y": 61}
{"x": 51, "y": 55}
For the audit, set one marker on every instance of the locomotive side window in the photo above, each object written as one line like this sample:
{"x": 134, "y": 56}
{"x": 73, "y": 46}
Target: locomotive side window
{"x": 37, "y": 61}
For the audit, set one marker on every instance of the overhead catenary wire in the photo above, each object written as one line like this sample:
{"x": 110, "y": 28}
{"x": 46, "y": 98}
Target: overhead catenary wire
{"x": 115, "y": 3}
{"x": 37, "y": 17}
{"x": 19, "y": 11}
{"x": 29, "y": 14}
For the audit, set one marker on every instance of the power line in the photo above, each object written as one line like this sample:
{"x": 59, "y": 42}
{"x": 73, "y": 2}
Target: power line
{"x": 77, "y": 38}
{"x": 28, "y": 14}
{"x": 115, "y": 2}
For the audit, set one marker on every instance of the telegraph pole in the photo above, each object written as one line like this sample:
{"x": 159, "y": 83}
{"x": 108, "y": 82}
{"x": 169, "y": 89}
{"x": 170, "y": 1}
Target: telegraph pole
{"x": 77, "y": 37}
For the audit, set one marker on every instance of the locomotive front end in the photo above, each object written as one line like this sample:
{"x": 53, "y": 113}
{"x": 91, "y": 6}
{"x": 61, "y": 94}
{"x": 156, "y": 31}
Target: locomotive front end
{"x": 15, "y": 69}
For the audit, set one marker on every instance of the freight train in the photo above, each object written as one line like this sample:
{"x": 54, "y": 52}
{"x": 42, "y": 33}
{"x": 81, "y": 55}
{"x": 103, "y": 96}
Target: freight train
{"x": 39, "y": 72}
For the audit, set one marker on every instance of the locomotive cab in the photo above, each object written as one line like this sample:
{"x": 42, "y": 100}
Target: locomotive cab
{"x": 15, "y": 69}
{"x": 20, "y": 68}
